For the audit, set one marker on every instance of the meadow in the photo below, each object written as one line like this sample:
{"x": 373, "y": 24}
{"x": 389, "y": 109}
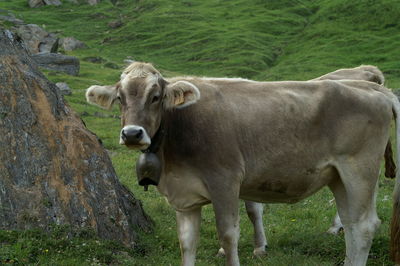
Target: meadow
{"x": 260, "y": 40}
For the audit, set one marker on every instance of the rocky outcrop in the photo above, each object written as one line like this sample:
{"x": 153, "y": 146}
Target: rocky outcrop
{"x": 58, "y": 62}
{"x": 35, "y": 3}
{"x": 37, "y": 40}
{"x": 52, "y": 169}
{"x": 53, "y": 2}
{"x": 64, "y": 88}
{"x": 70, "y": 44}
{"x": 43, "y": 47}
{"x": 9, "y": 17}
{"x": 39, "y": 3}
{"x": 40, "y": 41}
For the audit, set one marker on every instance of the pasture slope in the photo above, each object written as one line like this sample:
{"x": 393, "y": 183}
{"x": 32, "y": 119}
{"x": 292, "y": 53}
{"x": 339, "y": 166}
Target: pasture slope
{"x": 262, "y": 40}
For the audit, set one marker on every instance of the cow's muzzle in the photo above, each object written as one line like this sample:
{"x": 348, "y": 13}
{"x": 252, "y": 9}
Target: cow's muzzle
{"x": 148, "y": 169}
{"x": 134, "y": 136}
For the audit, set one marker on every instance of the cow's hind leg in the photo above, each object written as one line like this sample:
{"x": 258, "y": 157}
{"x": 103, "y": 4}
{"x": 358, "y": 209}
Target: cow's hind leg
{"x": 188, "y": 224}
{"x": 355, "y": 195}
{"x": 255, "y": 212}
{"x": 336, "y": 225}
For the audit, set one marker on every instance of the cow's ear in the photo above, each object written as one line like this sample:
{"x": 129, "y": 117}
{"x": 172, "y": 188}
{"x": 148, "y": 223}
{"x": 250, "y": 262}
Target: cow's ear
{"x": 103, "y": 96}
{"x": 181, "y": 94}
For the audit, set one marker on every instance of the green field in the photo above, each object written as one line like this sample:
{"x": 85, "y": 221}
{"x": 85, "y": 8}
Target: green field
{"x": 261, "y": 40}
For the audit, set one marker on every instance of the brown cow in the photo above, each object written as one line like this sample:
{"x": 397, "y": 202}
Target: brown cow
{"x": 363, "y": 72}
{"x": 259, "y": 141}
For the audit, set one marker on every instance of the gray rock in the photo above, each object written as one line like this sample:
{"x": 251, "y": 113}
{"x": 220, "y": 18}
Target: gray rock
{"x": 52, "y": 169}
{"x": 53, "y": 2}
{"x": 70, "y": 44}
{"x": 58, "y": 62}
{"x": 64, "y": 88}
{"x": 39, "y": 3}
{"x": 115, "y": 24}
{"x": 35, "y": 3}
{"x": 37, "y": 40}
{"x": 93, "y": 2}
{"x": 95, "y": 59}
{"x": 11, "y": 18}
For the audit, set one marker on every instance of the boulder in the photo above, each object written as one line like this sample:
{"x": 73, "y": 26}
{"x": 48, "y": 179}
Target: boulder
{"x": 52, "y": 169}
{"x": 35, "y": 3}
{"x": 39, "y": 3}
{"x": 58, "y": 62}
{"x": 53, "y": 2}
{"x": 70, "y": 44}
{"x": 64, "y": 88}
{"x": 11, "y": 18}
{"x": 37, "y": 39}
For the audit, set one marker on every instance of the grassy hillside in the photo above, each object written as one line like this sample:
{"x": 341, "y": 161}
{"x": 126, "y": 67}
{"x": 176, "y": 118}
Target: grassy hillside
{"x": 262, "y": 40}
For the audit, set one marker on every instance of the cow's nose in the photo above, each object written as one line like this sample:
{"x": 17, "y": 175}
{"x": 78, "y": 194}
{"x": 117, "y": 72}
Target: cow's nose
{"x": 132, "y": 135}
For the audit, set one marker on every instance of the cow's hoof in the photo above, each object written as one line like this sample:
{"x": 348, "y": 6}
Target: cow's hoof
{"x": 259, "y": 252}
{"x": 221, "y": 252}
{"x": 335, "y": 230}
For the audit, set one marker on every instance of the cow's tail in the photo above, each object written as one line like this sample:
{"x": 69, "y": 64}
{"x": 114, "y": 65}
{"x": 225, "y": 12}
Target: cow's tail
{"x": 395, "y": 224}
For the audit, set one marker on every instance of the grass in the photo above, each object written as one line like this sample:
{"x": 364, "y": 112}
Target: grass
{"x": 262, "y": 40}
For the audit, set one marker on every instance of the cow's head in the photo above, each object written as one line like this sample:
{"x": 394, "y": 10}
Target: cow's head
{"x": 143, "y": 95}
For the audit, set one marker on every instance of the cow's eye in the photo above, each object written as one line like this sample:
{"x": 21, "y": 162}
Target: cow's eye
{"x": 155, "y": 99}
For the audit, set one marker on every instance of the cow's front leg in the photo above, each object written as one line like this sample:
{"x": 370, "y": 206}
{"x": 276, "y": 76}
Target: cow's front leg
{"x": 188, "y": 223}
{"x": 227, "y": 219}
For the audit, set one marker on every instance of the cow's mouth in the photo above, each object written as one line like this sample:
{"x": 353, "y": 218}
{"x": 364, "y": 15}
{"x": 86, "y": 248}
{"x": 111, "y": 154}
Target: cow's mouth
{"x": 136, "y": 147}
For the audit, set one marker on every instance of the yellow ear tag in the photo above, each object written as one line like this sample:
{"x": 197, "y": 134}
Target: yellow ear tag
{"x": 179, "y": 100}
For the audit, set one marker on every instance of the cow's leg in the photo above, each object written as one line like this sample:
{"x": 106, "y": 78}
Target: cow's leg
{"x": 355, "y": 196}
{"x": 226, "y": 208}
{"x": 255, "y": 213}
{"x": 188, "y": 224}
{"x": 336, "y": 225}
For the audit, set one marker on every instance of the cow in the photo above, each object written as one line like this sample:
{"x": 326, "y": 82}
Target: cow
{"x": 363, "y": 72}
{"x": 217, "y": 140}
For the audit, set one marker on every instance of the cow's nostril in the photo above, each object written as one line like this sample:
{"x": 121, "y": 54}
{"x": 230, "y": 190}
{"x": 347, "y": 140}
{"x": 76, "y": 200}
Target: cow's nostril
{"x": 123, "y": 134}
{"x": 139, "y": 134}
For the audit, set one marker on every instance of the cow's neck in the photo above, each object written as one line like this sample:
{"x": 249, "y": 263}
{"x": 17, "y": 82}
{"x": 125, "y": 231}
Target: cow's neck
{"x": 157, "y": 140}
